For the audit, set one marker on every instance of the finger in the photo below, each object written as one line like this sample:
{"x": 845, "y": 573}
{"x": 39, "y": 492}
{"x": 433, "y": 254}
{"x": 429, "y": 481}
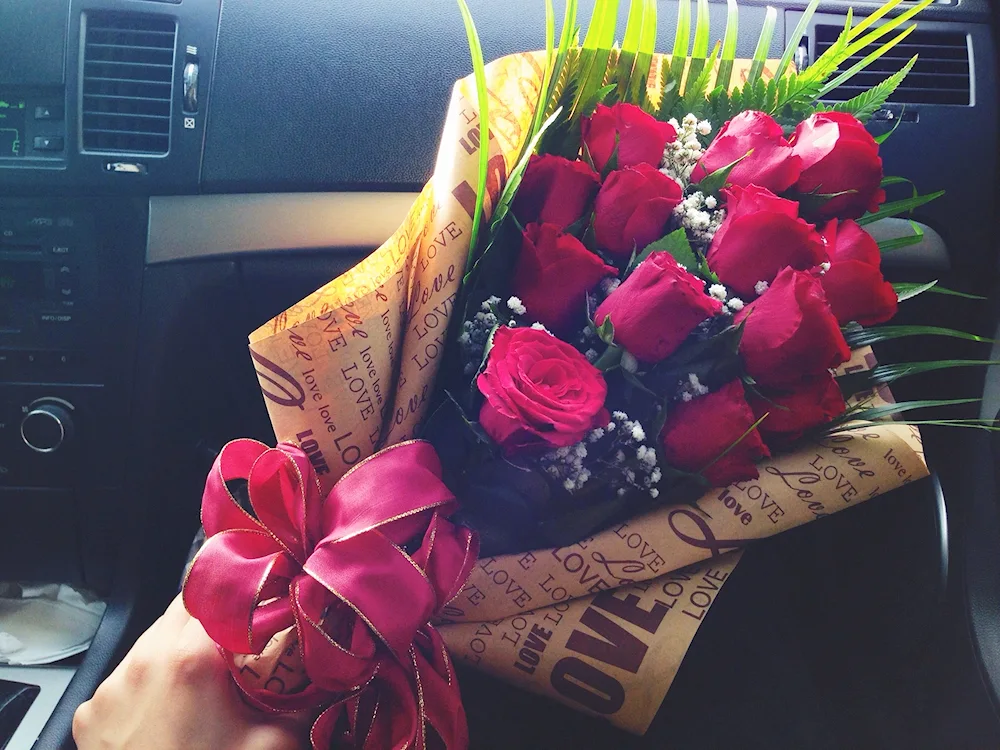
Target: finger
{"x": 283, "y": 733}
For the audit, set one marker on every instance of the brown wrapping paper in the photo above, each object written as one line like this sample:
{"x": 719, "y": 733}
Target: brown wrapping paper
{"x": 603, "y": 624}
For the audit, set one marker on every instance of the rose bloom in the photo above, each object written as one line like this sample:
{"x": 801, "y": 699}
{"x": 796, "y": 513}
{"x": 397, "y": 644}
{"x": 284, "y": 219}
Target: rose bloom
{"x": 854, "y": 285}
{"x": 790, "y": 333}
{"x": 540, "y": 393}
{"x": 656, "y": 307}
{"x": 633, "y": 208}
{"x": 792, "y": 412}
{"x": 554, "y": 272}
{"x": 640, "y": 137}
{"x": 760, "y": 235}
{"x": 839, "y": 156}
{"x": 771, "y": 164}
{"x": 697, "y": 432}
{"x": 555, "y": 190}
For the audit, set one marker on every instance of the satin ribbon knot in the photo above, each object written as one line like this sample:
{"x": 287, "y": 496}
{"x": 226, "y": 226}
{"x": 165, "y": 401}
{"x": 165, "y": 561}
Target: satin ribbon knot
{"x": 337, "y": 569}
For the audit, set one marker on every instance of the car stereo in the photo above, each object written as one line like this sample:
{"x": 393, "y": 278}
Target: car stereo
{"x": 44, "y": 275}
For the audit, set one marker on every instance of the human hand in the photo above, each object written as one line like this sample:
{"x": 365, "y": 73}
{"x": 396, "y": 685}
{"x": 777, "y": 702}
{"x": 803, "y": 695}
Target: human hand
{"x": 173, "y": 691}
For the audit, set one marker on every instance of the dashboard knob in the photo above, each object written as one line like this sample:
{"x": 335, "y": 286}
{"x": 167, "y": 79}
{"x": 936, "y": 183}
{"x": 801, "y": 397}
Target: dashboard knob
{"x": 47, "y": 426}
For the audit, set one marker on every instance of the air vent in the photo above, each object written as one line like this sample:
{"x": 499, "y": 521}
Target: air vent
{"x": 128, "y": 78}
{"x": 940, "y": 76}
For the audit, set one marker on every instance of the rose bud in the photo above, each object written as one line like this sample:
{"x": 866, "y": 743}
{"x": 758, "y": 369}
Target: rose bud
{"x": 790, "y": 333}
{"x": 639, "y": 136}
{"x": 790, "y": 413}
{"x": 555, "y": 190}
{"x": 771, "y": 164}
{"x": 554, "y": 272}
{"x": 540, "y": 393}
{"x": 839, "y": 156}
{"x": 656, "y": 307}
{"x": 854, "y": 285}
{"x": 633, "y": 209}
{"x": 699, "y": 431}
{"x": 760, "y": 235}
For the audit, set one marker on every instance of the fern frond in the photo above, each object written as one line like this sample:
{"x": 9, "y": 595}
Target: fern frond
{"x": 864, "y": 105}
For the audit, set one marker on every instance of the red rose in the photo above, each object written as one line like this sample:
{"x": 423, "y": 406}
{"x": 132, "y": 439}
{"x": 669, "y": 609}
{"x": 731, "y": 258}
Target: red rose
{"x": 697, "y": 432}
{"x": 554, "y": 272}
{"x": 760, "y": 235}
{"x": 555, "y": 190}
{"x": 656, "y": 307}
{"x": 772, "y": 164}
{"x": 633, "y": 209}
{"x": 540, "y": 392}
{"x": 808, "y": 404}
{"x": 854, "y": 285}
{"x": 790, "y": 332}
{"x": 839, "y": 155}
{"x": 640, "y": 137}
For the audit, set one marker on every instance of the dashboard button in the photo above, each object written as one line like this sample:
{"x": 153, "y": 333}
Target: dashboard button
{"x": 49, "y": 143}
{"x": 49, "y": 112}
{"x": 56, "y": 318}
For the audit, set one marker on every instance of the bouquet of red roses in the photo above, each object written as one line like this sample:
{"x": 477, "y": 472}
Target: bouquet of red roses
{"x": 629, "y": 318}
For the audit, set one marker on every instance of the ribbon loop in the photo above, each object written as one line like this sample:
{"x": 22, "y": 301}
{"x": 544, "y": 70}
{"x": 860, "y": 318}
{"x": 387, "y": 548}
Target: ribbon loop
{"x": 335, "y": 573}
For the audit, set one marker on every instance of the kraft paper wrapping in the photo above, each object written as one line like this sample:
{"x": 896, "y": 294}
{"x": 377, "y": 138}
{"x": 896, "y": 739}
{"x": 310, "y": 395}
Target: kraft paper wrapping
{"x": 602, "y": 624}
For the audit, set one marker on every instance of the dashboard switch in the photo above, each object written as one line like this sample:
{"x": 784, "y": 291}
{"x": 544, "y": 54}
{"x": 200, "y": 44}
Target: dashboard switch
{"x": 47, "y": 426}
{"x": 49, "y": 143}
{"x": 49, "y": 112}
{"x": 191, "y": 87}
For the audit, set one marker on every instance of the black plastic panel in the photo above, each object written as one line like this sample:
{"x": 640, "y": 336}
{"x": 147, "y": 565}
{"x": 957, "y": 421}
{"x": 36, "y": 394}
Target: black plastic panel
{"x": 354, "y": 95}
{"x": 37, "y": 58}
{"x": 74, "y": 170}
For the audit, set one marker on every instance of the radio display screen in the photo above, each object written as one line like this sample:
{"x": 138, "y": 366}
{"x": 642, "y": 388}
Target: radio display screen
{"x": 21, "y": 280}
{"x": 11, "y": 127}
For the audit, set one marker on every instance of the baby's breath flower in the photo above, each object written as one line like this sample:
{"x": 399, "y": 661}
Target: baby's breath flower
{"x": 718, "y": 291}
{"x": 760, "y": 287}
{"x": 516, "y": 306}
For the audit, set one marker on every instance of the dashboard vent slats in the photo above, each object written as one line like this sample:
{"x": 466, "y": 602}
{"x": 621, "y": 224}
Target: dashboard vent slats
{"x": 940, "y": 76}
{"x": 128, "y": 74}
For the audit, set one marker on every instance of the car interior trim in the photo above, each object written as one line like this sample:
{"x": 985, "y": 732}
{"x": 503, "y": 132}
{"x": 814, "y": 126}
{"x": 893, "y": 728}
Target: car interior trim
{"x": 203, "y": 226}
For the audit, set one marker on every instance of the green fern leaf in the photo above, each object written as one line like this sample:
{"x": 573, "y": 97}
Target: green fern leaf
{"x": 865, "y": 105}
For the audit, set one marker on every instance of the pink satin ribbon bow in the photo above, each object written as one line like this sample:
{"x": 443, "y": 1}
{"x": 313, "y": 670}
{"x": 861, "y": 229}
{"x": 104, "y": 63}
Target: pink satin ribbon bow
{"x": 335, "y": 569}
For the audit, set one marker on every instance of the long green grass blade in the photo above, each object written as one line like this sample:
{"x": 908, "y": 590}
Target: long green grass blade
{"x": 682, "y": 37}
{"x": 908, "y": 290}
{"x": 725, "y": 76}
{"x": 874, "y": 17}
{"x": 637, "y": 91}
{"x": 894, "y": 208}
{"x": 763, "y": 46}
{"x": 867, "y": 336}
{"x": 596, "y": 51}
{"x": 865, "y": 62}
{"x": 514, "y": 179}
{"x": 479, "y": 71}
{"x": 896, "y": 243}
{"x": 701, "y": 31}
{"x": 630, "y": 45}
{"x": 886, "y": 374}
{"x": 543, "y": 94}
{"x": 793, "y": 41}
{"x": 859, "y": 41}
{"x": 888, "y": 410}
